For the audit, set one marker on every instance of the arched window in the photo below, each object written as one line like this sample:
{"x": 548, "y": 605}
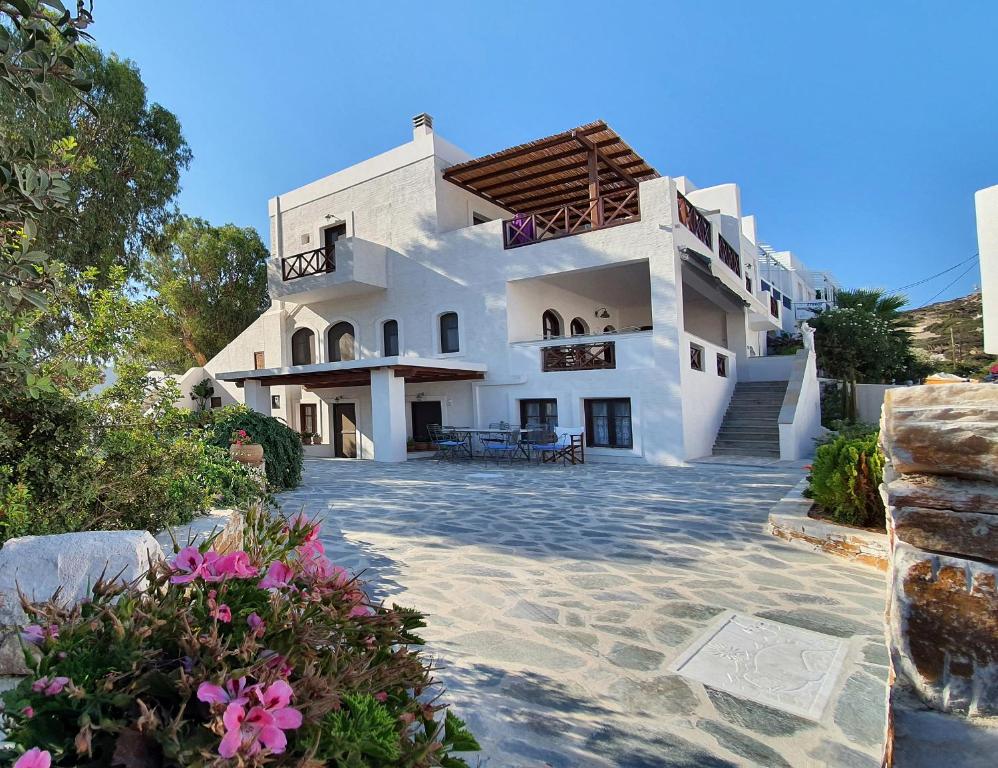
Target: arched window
{"x": 390, "y": 332}
{"x": 608, "y": 329}
{"x": 551, "y": 323}
{"x": 579, "y": 327}
{"x": 449, "y": 339}
{"x": 303, "y": 347}
{"x": 341, "y": 343}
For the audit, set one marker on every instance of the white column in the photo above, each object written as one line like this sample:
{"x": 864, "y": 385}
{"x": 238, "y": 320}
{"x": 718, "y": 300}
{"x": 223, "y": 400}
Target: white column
{"x": 257, "y": 396}
{"x": 388, "y": 415}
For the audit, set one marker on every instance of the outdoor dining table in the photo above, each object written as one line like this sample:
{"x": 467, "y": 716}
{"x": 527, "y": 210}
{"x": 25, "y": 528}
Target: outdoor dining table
{"x": 469, "y": 433}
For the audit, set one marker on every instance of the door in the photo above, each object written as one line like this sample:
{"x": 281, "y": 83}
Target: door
{"x": 345, "y": 430}
{"x": 422, "y": 415}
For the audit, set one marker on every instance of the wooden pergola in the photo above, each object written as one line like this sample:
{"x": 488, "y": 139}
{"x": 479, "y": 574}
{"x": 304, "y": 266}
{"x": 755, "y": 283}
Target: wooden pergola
{"x": 361, "y": 377}
{"x": 568, "y": 169}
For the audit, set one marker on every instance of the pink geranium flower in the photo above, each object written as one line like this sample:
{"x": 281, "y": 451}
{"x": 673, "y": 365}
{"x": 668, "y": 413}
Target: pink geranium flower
{"x": 222, "y": 613}
{"x": 49, "y": 687}
{"x": 34, "y": 758}
{"x": 234, "y": 692}
{"x": 233, "y": 565}
{"x": 28, "y": 712}
{"x": 261, "y": 726}
{"x": 279, "y": 576}
{"x": 36, "y": 635}
{"x": 256, "y": 624}
{"x": 188, "y": 565}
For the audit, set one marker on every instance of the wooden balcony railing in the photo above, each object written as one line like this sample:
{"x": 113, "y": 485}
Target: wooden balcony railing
{"x": 316, "y": 262}
{"x": 691, "y": 218}
{"x": 605, "y": 211}
{"x": 729, "y": 256}
{"x": 579, "y": 357}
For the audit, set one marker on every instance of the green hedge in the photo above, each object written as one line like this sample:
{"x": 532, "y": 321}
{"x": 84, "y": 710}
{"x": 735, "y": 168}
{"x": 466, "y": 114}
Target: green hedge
{"x": 282, "y": 450}
{"x": 845, "y": 479}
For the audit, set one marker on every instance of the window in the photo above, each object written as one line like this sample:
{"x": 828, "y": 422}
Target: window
{"x": 764, "y": 285}
{"x": 609, "y": 329}
{"x": 449, "y": 339}
{"x": 579, "y": 327}
{"x": 216, "y": 402}
{"x": 787, "y": 303}
{"x": 303, "y": 347}
{"x": 748, "y": 283}
{"x": 696, "y": 357}
{"x": 258, "y": 360}
{"x": 341, "y": 343}
{"x": 390, "y": 336}
{"x": 608, "y": 423}
{"x": 551, "y": 323}
{"x": 479, "y": 218}
{"x": 722, "y": 365}
{"x": 543, "y": 412}
{"x": 308, "y": 418}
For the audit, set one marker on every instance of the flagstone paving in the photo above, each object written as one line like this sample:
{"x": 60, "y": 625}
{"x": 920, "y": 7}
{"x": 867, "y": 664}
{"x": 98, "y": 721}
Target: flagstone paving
{"x": 558, "y": 598}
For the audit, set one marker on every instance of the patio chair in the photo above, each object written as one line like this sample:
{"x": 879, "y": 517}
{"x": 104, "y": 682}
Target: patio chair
{"x": 446, "y": 442}
{"x": 537, "y": 434}
{"x": 569, "y": 448}
{"x": 501, "y": 446}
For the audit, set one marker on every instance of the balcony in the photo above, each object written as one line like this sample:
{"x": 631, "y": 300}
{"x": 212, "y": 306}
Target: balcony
{"x": 729, "y": 257}
{"x": 579, "y": 357}
{"x": 352, "y": 268}
{"x": 605, "y": 211}
{"x": 691, "y": 218}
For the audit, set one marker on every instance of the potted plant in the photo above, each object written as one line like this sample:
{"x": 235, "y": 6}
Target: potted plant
{"x": 243, "y": 449}
{"x": 306, "y": 437}
{"x": 316, "y": 438}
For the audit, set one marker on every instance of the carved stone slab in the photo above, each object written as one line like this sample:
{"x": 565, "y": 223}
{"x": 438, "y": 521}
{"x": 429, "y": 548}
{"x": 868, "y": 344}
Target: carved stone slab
{"x": 785, "y": 667}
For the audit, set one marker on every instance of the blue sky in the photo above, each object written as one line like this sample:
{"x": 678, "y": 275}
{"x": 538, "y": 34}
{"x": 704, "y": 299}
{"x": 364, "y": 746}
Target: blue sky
{"x": 858, "y": 131}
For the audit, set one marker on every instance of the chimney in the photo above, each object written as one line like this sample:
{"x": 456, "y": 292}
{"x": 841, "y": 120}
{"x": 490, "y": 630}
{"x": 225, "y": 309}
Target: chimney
{"x": 422, "y": 125}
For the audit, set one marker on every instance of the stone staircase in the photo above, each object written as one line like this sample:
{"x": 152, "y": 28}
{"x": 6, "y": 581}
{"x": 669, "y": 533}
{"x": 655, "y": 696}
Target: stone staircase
{"x": 751, "y": 423}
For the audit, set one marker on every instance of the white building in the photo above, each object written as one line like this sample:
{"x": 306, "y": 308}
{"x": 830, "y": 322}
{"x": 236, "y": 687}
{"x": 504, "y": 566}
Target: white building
{"x": 986, "y": 203}
{"x": 563, "y": 280}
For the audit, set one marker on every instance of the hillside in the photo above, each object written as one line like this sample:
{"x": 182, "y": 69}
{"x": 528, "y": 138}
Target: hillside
{"x": 951, "y": 329}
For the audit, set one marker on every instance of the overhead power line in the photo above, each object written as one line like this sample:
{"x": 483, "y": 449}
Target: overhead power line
{"x": 949, "y": 285}
{"x": 933, "y": 277}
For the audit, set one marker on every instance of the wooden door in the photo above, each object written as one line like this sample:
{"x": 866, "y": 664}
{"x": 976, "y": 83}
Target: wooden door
{"x": 423, "y": 414}
{"x": 345, "y": 430}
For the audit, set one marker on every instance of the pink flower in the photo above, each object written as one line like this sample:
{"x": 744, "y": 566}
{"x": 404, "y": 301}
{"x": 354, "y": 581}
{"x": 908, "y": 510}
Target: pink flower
{"x": 276, "y": 700}
{"x": 381, "y": 696}
{"x": 34, "y": 758}
{"x": 276, "y": 661}
{"x": 188, "y": 564}
{"x": 279, "y": 576}
{"x": 36, "y": 635}
{"x": 247, "y": 731}
{"x": 300, "y": 522}
{"x": 28, "y": 712}
{"x": 360, "y": 610}
{"x": 222, "y": 613}
{"x": 51, "y": 687}
{"x": 234, "y": 692}
{"x": 256, "y": 624}
{"x": 235, "y": 564}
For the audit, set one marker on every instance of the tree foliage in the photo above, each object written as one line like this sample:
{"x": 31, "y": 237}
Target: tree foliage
{"x": 210, "y": 284}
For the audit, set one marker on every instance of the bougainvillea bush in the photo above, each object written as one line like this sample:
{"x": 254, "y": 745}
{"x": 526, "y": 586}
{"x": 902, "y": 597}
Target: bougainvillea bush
{"x": 265, "y": 656}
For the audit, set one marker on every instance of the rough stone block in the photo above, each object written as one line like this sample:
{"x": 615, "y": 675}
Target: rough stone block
{"x": 940, "y": 530}
{"x": 944, "y": 430}
{"x": 935, "y": 492}
{"x": 72, "y": 562}
{"x": 227, "y": 523}
{"x": 943, "y": 629}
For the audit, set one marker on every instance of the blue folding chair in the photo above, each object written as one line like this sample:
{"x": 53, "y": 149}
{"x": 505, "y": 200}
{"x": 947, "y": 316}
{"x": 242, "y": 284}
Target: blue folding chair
{"x": 446, "y": 443}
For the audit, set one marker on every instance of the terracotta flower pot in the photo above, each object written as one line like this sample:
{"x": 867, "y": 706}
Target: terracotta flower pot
{"x": 249, "y": 453}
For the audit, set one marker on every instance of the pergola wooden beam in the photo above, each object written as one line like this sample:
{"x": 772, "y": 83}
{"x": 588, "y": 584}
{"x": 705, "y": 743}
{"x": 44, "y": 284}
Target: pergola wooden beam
{"x": 516, "y": 180}
{"x": 595, "y": 153}
{"x": 574, "y": 150}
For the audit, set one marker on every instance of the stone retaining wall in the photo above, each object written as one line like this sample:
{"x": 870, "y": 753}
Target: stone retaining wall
{"x": 941, "y": 492}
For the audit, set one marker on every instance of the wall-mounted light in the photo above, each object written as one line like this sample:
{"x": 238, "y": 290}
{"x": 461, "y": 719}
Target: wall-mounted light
{"x": 420, "y": 395}
{"x": 602, "y": 313}
{"x": 332, "y": 216}
{"x": 337, "y": 398}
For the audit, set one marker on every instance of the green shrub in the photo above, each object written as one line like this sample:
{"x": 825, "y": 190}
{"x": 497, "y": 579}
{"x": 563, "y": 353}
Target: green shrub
{"x": 282, "y": 449}
{"x": 845, "y": 480}
{"x": 266, "y": 656}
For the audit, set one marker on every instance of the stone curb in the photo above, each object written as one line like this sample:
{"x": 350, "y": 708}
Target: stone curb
{"x": 788, "y": 520}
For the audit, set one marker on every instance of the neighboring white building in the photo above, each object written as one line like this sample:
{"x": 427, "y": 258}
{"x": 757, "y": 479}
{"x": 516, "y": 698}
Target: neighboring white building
{"x": 986, "y": 203}
{"x": 563, "y": 280}
{"x": 800, "y": 292}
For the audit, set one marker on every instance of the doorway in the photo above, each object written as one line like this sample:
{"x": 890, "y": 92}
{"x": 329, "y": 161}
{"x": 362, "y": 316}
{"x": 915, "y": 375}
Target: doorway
{"x": 345, "y": 430}
{"x": 425, "y": 413}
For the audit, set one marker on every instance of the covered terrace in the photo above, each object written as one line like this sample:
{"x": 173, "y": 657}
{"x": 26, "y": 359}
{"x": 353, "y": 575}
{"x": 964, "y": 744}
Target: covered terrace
{"x": 573, "y": 182}
{"x": 386, "y": 377}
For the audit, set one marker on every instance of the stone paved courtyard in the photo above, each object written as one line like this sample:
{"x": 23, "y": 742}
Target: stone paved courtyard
{"x": 558, "y": 598}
